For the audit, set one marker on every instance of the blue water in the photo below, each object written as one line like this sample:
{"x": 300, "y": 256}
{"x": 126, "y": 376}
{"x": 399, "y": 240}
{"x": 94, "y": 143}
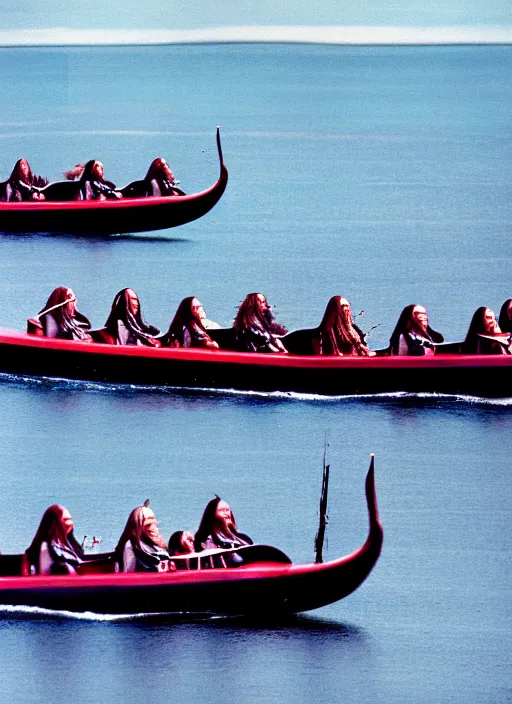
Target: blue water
{"x": 382, "y": 174}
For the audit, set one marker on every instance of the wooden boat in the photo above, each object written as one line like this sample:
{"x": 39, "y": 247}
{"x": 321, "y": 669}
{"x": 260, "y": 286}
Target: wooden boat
{"x": 266, "y": 582}
{"x": 487, "y": 376}
{"x": 112, "y": 216}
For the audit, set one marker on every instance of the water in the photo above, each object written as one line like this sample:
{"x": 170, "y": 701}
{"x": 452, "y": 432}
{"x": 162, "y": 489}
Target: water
{"x": 381, "y": 174}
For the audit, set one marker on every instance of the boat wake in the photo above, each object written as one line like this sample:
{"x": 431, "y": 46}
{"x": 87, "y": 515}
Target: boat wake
{"x": 56, "y": 383}
{"x": 37, "y": 613}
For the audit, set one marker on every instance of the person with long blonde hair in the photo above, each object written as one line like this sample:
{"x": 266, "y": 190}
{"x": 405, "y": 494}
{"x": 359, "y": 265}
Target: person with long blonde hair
{"x": 141, "y": 548}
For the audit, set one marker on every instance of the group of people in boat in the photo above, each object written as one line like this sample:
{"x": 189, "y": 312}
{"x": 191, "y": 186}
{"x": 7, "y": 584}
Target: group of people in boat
{"x": 141, "y": 547}
{"x": 86, "y": 182}
{"x": 256, "y": 330}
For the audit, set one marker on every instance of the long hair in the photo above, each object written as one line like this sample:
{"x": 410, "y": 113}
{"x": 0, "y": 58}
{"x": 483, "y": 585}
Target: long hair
{"x": 68, "y": 321}
{"x": 16, "y": 174}
{"x": 175, "y": 545}
{"x": 476, "y": 327}
{"x": 136, "y": 533}
{"x": 183, "y": 318}
{"x": 89, "y": 175}
{"x": 249, "y": 315}
{"x": 51, "y": 528}
{"x": 406, "y": 323}
{"x": 339, "y": 334}
{"x": 209, "y": 526}
{"x": 134, "y": 322}
{"x": 504, "y": 321}
{"x": 159, "y": 170}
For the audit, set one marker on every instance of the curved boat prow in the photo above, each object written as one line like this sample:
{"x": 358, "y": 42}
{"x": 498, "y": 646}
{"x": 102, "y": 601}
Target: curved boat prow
{"x": 113, "y": 216}
{"x": 322, "y": 584}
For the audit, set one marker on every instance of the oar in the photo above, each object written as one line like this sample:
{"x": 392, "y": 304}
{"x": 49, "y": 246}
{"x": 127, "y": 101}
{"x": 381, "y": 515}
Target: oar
{"x": 320, "y": 536}
{"x": 57, "y": 305}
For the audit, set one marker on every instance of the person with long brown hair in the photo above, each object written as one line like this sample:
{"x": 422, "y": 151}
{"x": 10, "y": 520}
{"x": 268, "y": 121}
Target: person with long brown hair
{"x": 337, "y": 334}
{"x": 141, "y": 548}
{"x": 159, "y": 181}
{"x": 125, "y": 324}
{"x": 22, "y": 184}
{"x": 187, "y": 327}
{"x": 60, "y": 318}
{"x": 482, "y": 329}
{"x": 218, "y": 528}
{"x": 255, "y": 327}
{"x": 412, "y": 334}
{"x": 54, "y": 549}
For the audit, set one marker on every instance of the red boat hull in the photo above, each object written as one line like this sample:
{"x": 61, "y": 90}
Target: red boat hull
{"x": 479, "y": 375}
{"x": 112, "y": 216}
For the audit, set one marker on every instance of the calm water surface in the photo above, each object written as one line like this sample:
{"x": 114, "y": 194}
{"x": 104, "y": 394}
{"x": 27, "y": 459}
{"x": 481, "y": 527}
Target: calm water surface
{"x": 382, "y": 174}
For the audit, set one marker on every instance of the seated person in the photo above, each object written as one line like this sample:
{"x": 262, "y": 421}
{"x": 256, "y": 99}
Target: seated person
{"x": 159, "y": 181}
{"x": 141, "y": 548}
{"x": 125, "y": 324}
{"x": 60, "y": 318}
{"x": 218, "y": 528}
{"x": 22, "y": 185}
{"x": 87, "y": 183}
{"x": 412, "y": 334}
{"x": 337, "y": 334}
{"x": 181, "y": 542}
{"x": 505, "y": 319}
{"x": 55, "y": 549}
{"x": 187, "y": 328}
{"x": 255, "y": 327}
{"x": 484, "y": 322}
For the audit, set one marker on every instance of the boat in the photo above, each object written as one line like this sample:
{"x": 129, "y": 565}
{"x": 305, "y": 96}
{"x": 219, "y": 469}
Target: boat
{"x": 265, "y": 582}
{"x": 487, "y": 376}
{"x": 111, "y": 217}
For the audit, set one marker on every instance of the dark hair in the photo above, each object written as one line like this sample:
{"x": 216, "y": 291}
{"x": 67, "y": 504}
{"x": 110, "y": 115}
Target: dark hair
{"x": 504, "y": 321}
{"x": 476, "y": 326}
{"x": 184, "y": 317}
{"x": 134, "y": 322}
{"x": 403, "y": 325}
{"x": 175, "y": 546}
{"x": 208, "y": 527}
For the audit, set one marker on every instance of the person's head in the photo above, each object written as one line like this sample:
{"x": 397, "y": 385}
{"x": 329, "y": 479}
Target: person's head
{"x": 483, "y": 322}
{"x": 337, "y": 312}
{"x": 22, "y": 171}
{"x": 132, "y": 301}
{"x": 159, "y": 169}
{"x": 62, "y": 294}
{"x": 254, "y": 309}
{"x": 419, "y": 319}
{"x": 93, "y": 171}
{"x": 217, "y": 519}
{"x": 505, "y": 319}
{"x": 181, "y": 542}
{"x": 56, "y": 524}
{"x": 142, "y": 526}
{"x": 490, "y": 325}
{"x": 189, "y": 312}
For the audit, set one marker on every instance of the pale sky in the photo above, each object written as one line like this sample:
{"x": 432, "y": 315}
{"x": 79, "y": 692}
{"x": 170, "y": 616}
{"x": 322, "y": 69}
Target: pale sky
{"x": 52, "y": 21}
{"x": 197, "y": 14}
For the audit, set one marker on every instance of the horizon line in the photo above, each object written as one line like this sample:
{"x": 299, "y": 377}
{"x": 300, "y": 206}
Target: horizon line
{"x": 353, "y": 35}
